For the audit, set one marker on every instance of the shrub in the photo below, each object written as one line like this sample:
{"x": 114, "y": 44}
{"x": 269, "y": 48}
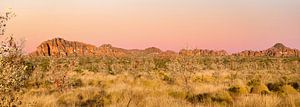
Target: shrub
{"x": 296, "y": 85}
{"x": 44, "y": 64}
{"x": 161, "y": 63}
{"x": 14, "y": 69}
{"x": 222, "y": 96}
{"x": 254, "y": 82}
{"x": 219, "y": 97}
{"x": 200, "y": 98}
{"x": 275, "y": 87}
{"x": 238, "y": 90}
{"x": 168, "y": 79}
{"x": 74, "y": 83}
{"x": 15, "y": 72}
{"x": 260, "y": 89}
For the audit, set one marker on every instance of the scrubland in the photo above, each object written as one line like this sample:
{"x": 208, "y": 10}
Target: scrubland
{"x": 145, "y": 80}
{"x": 152, "y": 80}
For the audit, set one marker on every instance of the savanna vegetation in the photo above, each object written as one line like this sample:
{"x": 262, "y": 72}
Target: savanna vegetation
{"x": 150, "y": 80}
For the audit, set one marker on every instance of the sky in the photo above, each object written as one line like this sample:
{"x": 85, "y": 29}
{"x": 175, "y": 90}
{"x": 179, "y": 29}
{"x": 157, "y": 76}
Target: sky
{"x": 232, "y": 25}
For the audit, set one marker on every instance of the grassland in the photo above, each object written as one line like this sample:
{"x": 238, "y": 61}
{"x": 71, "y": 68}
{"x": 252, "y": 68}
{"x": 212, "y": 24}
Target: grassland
{"x": 154, "y": 80}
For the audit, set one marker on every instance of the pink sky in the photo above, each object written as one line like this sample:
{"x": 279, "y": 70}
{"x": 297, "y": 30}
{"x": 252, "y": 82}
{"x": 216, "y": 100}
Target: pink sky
{"x": 233, "y": 25}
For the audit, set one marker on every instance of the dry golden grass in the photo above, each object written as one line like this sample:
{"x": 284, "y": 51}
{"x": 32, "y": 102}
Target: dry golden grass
{"x": 178, "y": 84}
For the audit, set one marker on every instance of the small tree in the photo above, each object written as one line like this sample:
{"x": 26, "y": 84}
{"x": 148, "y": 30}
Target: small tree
{"x": 14, "y": 70}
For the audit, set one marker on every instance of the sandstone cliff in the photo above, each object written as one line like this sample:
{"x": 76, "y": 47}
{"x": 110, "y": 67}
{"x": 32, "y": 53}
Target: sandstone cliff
{"x": 59, "y": 47}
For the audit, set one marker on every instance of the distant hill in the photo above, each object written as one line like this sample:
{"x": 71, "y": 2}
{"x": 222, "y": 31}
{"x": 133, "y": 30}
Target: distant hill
{"x": 59, "y": 47}
{"x": 278, "y": 50}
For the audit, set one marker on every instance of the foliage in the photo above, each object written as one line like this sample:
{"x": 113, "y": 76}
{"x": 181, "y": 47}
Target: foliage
{"x": 13, "y": 67}
{"x": 260, "y": 89}
{"x": 238, "y": 90}
{"x": 221, "y": 97}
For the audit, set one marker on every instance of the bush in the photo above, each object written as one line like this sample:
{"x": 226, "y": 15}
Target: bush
{"x": 275, "y": 87}
{"x": 168, "y": 79}
{"x": 200, "y": 98}
{"x": 161, "y": 63}
{"x": 238, "y": 90}
{"x": 260, "y": 89}
{"x": 44, "y": 64}
{"x": 254, "y": 82}
{"x": 14, "y": 69}
{"x": 15, "y": 72}
{"x": 219, "y": 97}
{"x": 222, "y": 96}
{"x": 75, "y": 83}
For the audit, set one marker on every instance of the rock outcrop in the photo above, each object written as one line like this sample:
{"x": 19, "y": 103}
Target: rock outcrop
{"x": 278, "y": 50}
{"x": 59, "y": 47}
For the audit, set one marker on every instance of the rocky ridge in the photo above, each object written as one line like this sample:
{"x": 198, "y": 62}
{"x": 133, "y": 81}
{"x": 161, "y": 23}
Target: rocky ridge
{"x": 59, "y": 47}
{"x": 278, "y": 50}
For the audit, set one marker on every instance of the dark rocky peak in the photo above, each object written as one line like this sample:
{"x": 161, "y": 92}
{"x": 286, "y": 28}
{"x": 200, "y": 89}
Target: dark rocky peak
{"x": 153, "y": 50}
{"x": 106, "y": 46}
{"x": 279, "y": 46}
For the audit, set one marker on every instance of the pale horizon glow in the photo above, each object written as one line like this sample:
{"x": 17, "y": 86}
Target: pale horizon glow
{"x": 231, "y": 25}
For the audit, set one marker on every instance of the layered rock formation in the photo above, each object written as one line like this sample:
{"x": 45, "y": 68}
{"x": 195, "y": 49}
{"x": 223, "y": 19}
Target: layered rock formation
{"x": 278, "y": 50}
{"x": 59, "y": 47}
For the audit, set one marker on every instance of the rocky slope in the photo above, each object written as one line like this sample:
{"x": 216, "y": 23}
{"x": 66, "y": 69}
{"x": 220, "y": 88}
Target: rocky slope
{"x": 278, "y": 50}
